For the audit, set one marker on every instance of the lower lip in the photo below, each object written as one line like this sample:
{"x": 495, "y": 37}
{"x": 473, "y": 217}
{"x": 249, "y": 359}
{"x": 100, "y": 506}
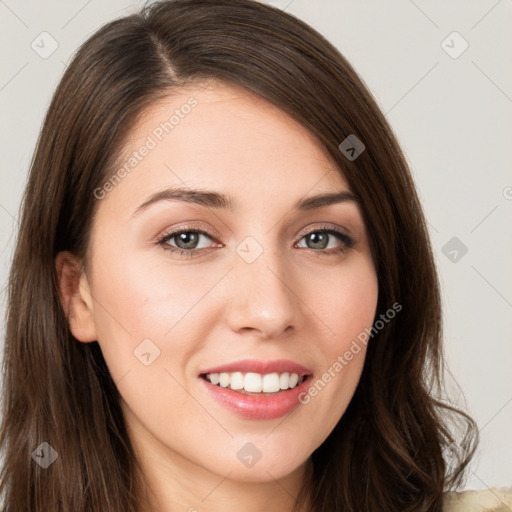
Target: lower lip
{"x": 257, "y": 407}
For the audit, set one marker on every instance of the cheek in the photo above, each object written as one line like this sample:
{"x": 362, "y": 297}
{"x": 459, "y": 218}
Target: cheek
{"x": 144, "y": 298}
{"x": 347, "y": 306}
{"x": 346, "y": 302}
{"x": 149, "y": 321}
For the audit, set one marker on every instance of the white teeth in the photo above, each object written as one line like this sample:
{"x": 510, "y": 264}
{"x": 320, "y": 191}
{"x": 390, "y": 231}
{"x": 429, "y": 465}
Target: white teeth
{"x": 255, "y": 382}
{"x": 252, "y": 382}
{"x": 224, "y": 380}
{"x": 237, "y": 380}
{"x": 270, "y": 383}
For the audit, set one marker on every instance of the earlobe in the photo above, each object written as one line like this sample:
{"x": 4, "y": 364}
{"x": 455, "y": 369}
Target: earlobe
{"x": 75, "y": 296}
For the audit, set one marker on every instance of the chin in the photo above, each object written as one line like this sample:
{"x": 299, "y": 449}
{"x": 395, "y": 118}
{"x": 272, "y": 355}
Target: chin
{"x": 266, "y": 463}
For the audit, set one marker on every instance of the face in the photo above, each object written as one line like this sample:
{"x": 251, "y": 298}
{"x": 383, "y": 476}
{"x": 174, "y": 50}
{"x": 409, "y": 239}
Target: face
{"x": 243, "y": 283}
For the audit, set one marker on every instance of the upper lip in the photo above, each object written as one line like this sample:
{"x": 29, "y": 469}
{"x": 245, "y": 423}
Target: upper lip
{"x": 259, "y": 366}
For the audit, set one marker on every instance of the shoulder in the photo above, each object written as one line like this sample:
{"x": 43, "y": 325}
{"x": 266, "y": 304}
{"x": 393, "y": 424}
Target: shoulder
{"x": 490, "y": 500}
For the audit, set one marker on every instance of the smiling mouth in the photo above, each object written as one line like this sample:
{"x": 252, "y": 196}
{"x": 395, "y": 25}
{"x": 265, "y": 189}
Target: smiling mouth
{"x": 255, "y": 384}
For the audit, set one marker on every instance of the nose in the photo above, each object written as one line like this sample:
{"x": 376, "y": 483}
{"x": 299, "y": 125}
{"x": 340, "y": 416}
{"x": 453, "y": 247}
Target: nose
{"x": 262, "y": 297}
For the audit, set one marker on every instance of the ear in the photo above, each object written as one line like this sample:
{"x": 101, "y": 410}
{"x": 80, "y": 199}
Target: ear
{"x": 75, "y": 296}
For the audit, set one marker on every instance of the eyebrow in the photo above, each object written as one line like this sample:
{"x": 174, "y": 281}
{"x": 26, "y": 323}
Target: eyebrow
{"x": 217, "y": 200}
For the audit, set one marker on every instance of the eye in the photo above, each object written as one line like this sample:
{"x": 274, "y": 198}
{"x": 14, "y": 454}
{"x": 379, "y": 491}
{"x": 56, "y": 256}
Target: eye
{"x": 187, "y": 241}
{"x": 324, "y": 241}
{"x": 190, "y": 242}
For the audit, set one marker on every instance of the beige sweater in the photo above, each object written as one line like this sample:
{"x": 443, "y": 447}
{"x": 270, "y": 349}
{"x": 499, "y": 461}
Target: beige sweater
{"x": 491, "y": 500}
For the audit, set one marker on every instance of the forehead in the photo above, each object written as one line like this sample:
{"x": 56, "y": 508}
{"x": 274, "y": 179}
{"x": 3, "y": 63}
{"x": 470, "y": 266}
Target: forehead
{"x": 220, "y": 136}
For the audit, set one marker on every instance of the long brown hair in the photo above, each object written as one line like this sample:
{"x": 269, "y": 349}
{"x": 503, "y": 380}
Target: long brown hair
{"x": 386, "y": 452}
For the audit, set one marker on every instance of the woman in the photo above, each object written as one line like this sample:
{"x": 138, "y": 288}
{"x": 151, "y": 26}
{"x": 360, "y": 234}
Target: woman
{"x": 223, "y": 293}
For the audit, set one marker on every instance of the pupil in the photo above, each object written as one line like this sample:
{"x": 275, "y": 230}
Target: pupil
{"x": 320, "y": 238}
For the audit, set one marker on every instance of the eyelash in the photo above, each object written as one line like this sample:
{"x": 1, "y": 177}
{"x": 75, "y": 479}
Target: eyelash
{"x": 347, "y": 242}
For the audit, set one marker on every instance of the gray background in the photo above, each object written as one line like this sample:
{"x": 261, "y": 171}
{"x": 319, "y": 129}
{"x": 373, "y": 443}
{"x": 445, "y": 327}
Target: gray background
{"x": 452, "y": 116}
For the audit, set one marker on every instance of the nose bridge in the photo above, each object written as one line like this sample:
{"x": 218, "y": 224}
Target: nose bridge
{"x": 262, "y": 294}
